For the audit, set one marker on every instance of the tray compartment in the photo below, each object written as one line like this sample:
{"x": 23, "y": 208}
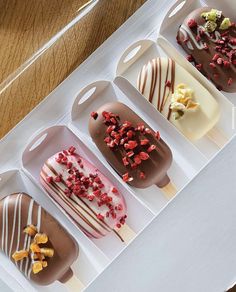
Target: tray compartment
{"x": 178, "y": 12}
{"x": 149, "y": 50}
{"x": 91, "y": 260}
{"x": 187, "y": 159}
{"x": 57, "y": 138}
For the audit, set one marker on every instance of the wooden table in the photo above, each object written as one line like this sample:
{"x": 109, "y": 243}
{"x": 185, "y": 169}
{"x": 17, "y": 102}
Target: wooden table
{"x": 26, "y": 26}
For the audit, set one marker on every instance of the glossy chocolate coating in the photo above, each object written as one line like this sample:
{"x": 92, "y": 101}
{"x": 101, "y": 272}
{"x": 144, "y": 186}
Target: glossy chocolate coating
{"x": 16, "y": 212}
{"x": 220, "y": 75}
{"x": 155, "y": 168}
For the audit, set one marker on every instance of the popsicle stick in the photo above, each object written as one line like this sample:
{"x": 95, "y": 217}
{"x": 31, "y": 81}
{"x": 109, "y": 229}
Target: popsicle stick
{"x": 169, "y": 190}
{"x": 216, "y": 136}
{"x": 125, "y": 233}
{"x": 74, "y": 285}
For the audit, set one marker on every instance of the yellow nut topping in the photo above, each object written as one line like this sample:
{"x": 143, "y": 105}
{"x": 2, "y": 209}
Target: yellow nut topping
{"x": 41, "y": 238}
{"x": 47, "y": 252}
{"x": 31, "y": 230}
{"x": 20, "y": 255}
{"x": 34, "y": 248}
{"x": 37, "y": 267}
{"x": 182, "y": 101}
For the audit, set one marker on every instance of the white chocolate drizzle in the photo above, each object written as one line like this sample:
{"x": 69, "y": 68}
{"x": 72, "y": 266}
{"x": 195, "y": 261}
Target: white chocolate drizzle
{"x": 16, "y": 229}
{"x": 187, "y": 32}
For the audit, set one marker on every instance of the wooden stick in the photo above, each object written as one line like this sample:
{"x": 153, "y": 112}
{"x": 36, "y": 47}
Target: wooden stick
{"x": 125, "y": 233}
{"x": 74, "y": 285}
{"x": 216, "y": 136}
{"x": 169, "y": 190}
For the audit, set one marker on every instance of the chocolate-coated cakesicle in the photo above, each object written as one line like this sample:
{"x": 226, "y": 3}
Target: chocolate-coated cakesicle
{"x": 210, "y": 40}
{"x": 179, "y": 97}
{"x": 38, "y": 245}
{"x": 132, "y": 148}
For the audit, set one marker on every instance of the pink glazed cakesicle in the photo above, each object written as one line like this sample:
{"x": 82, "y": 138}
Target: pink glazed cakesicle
{"x": 86, "y": 195}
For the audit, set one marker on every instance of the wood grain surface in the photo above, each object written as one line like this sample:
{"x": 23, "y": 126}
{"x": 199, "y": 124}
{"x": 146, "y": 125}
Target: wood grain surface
{"x": 26, "y": 26}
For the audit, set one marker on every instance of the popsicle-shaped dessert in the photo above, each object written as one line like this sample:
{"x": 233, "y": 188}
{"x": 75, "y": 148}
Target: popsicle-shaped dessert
{"x": 133, "y": 149}
{"x": 38, "y": 245}
{"x": 88, "y": 197}
{"x": 209, "y": 38}
{"x": 179, "y": 97}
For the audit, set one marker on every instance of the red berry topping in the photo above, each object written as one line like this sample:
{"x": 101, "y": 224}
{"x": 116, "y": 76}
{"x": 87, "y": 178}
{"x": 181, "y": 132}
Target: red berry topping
{"x": 67, "y": 192}
{"x": 58, "y": 178}
{"x": 199, "y": 66}
{"x": 230, "y": 81}
{"x": 131, "y": 145}
{"x": 220, "y": 61}
{"x": 190, "y": 58}
{"x": 198, "y": 38}
{"x": 127, "y": 124}
{"x": 72, "y": 150}
{"x": 110, "y": 129}
{"x": 157, "y": 135}
{"x": 101, "y": 186}
{"x": 137, "y": 160}
{"x": 58, "y": 160}
{"x": 69, "y": 165}
{"x": 130, "y": 154}
{"x": 148, "y": 131}
{"x": 113, "y": 121}
{"x": 226, "y": 64}
{"x": 118, "y": 225}
{"x": 144, "y": 142}
{"x": 107, "y": 140}
{"x": 216, "y": 57}
{"x": 91, "y": 197}
{"x": 213, "y": 65}
{"x": 126, "y": 177}
{"x": 206, "y": 47}
{"x": 49, "y": 179}
{"x": 111, "y": 144}
{"x": 192, "y": 23}
{"x": 114, "y": 190}
{"x": 97, "y": 193}
{"x": 151, "y": 148}
{"x": 143, "y": 156}
{"x": 142, "y": 175}
{"x": 134, "y": 165}
{"x": 130, "y": 134}
{"x": 140, "y": 127}
{"x": 125, "y": 161}
{"x": 168, "y": 83}
{"x": 100, "y": 216}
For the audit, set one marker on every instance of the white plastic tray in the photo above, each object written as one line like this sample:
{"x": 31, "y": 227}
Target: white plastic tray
{"x": 190, "y": 244}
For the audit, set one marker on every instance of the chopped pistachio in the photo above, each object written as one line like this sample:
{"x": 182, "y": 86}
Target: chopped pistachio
{"x": 225, "y": 24}
{"x": 212, "y": 15}
{"x": 210, "y": 26}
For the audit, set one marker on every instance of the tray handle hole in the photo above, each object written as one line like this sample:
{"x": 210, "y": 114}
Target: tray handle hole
{"x": 87, "y": 95}
{"x": 177, "y": 9}
{"x": 132, "y": 54}
{"x": 38, "y": 142}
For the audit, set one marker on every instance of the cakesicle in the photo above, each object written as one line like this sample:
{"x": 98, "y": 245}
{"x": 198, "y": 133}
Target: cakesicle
{"x": 209, "y": 37}
{"x": 87, "y": 196}
{"x": 133, "y": 149}
{"x": 179, "y": 97}
{"x": 32, "y": 239}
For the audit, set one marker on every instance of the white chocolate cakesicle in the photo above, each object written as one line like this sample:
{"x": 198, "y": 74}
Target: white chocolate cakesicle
{"x": 179, "y": 97}
{"x": 84, "y": 193}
